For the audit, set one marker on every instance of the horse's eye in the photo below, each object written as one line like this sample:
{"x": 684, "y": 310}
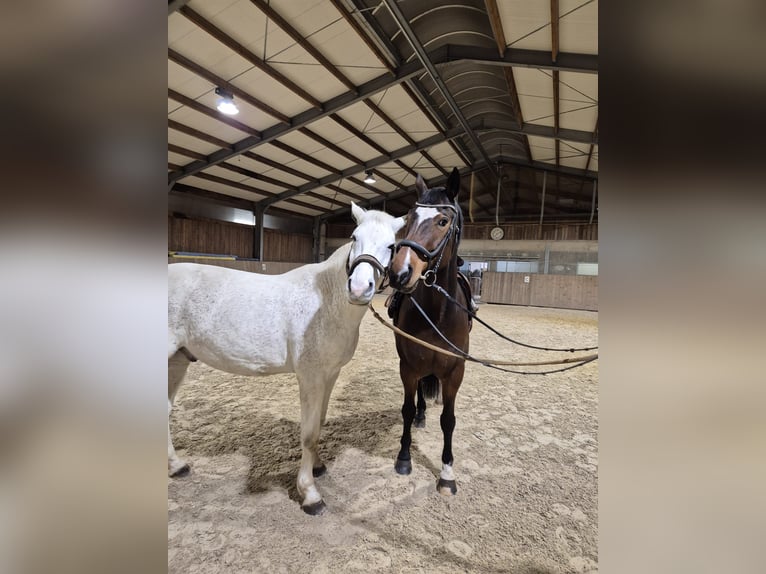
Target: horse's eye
{"x": 443, "y": 222}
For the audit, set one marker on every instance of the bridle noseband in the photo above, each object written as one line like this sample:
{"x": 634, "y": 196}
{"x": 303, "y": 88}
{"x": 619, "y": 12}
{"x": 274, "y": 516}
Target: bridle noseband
{"x": 371, "y": 260}
{"x": 429, "y": 277}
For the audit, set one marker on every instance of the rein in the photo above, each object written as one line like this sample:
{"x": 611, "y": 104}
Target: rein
{"x": 429, "y": 277}
{"x": 492, "y": 363}
{"x": 473, "y": 315}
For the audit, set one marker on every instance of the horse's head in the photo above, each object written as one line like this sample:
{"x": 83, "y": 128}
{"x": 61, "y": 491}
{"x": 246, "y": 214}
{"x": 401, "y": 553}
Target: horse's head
{"x": 431, "y": 235}
{"x": 370, "y": 254}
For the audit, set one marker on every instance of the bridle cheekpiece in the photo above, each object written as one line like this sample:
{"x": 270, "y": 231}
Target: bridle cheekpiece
{"x": 429, "y": 277}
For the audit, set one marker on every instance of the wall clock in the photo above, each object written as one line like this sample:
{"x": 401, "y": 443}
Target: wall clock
{"x": 496, "y": 233}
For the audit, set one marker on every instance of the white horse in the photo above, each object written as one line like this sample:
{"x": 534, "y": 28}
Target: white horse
{"x": 305, "y": 321}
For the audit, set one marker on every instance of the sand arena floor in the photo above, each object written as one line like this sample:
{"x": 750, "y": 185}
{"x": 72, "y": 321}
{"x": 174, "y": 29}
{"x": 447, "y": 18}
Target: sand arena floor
{"x": 526, "y": 464}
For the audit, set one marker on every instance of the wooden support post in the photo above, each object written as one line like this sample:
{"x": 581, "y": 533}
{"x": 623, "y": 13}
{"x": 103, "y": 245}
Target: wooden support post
{"x": 542, "y": 208}
{"x": 258, "y": 232}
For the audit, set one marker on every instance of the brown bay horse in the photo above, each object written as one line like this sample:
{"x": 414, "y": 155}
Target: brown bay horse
{"x": 428, "y": 255}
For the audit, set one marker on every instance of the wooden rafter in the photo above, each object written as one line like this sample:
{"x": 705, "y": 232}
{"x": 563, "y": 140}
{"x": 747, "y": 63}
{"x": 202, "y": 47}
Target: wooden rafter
{"x": 497, "y": 29}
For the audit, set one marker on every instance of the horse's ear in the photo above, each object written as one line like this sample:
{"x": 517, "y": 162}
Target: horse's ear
{"x": 399, "y": 222}
{"x": 357, "y": 212}
{"x": 421, "y": 186}
{"x": 453, "y": 184}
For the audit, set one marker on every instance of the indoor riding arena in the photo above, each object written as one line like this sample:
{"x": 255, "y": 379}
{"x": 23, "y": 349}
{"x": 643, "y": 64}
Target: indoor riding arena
{"x": 281, "y": 115}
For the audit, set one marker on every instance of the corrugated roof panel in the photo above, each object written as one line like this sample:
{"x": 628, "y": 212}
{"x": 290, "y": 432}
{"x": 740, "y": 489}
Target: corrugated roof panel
{"x": 382, "y": 186}
{"x": 178, "y": 159}
{"x": 213, "y": 7}
{"x": 399, "y": 106}
{"x": 332, "y": 158}
{"x": 370, "y": 124}
{"x": 307, "y": 16}
{"x": 247, "y": 25}
{"x": 480, "y": 90}
{"x": 271, "y": 92}
{"x": 190, "y": 142}
{"x": 578, "y": 116}
{"x": 309, "y": 169}
{"x": 298, "y": 208}
{"x": 301, "y": 142}
{"x": 178, "y": 27}
{"x": 415, "y": 124}
{"x": 263, "y": 185}
{"x": 535, "y": 90}
{"x": 263, "y": 169}
{"x": 224, "y": 173}
{"x": 203, "y": 123}
{"x": 573, "y": 154}
{"x": 415, "y": 160}
{"x": 446, "y": 156}
{"x": 328, "y": 129}
{"x": 220, "y": 188}
{"x": 542, "y": 149}
{"x": 526, "y": 24}
{"x": 321, "y": 204}
{"x": 248, "y": 115}
{"x": 594, "y": 159}
{"x": 578, "y": 87}
{"x": 286, "y": 158}
{"x": 343, "y": 47}
{"x": 578, "y": 28}
{"x": 578, "y": 96}
{"x": 186, "y": 82}
{"x": 203, "y": 49}
{"x": 297, "y": 65}
{"x": 403, "y": 178}
{"x": 332, "y": 194}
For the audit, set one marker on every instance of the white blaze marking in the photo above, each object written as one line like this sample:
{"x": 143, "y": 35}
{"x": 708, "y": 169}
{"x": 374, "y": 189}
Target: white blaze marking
{"x": 447, "y": 472}
{"x": 424, "y": 213}
{"x": 407, "y": 259}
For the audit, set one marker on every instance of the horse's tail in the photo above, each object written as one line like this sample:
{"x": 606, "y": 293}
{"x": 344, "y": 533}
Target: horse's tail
{"x": 430, "y": 386}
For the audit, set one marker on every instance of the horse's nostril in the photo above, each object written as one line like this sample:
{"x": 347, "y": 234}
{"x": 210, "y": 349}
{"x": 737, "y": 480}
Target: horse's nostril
{"x": 405, "y": 275}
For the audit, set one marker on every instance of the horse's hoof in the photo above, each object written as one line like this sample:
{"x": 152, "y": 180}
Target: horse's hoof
{"x": 319, "y": 471}
{"x": 185, "y": 470}
{"x": 315, "y": 509}
{"x": 446, "y": 487}
{"x": 420, "y": 423}
{"x": 403, "y": 466}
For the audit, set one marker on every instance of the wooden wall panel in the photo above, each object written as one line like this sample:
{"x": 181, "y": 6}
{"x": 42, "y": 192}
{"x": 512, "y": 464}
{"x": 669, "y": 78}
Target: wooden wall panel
{"x": 562, "y": 291}
{"x": 224, "y": 238}
{"x": 532, "y": 231}
{"x": 517, "y": 231}
{"x": 289, "y": 247}
{"x": 210, "y": 236}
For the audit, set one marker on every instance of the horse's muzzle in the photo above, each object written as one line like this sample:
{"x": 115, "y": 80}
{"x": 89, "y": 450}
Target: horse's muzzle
{"x": 400, "y": 281}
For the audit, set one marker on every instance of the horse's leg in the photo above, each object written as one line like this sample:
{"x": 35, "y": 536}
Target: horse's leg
{"x": 410, "y": 382}
{"x": 428, "y": 388}
{"x": 177, "y": 365}
{"x": 420, "y": 412}
{"x": 318, "y": 468}
{"x": 312, "y": 395}
{"x": 450, "y": 386}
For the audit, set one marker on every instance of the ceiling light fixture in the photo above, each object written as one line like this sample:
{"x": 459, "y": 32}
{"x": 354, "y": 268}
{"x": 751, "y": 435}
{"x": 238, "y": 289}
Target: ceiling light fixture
{"x": 225, "y": 103}
{"x": 370, "y": 178}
